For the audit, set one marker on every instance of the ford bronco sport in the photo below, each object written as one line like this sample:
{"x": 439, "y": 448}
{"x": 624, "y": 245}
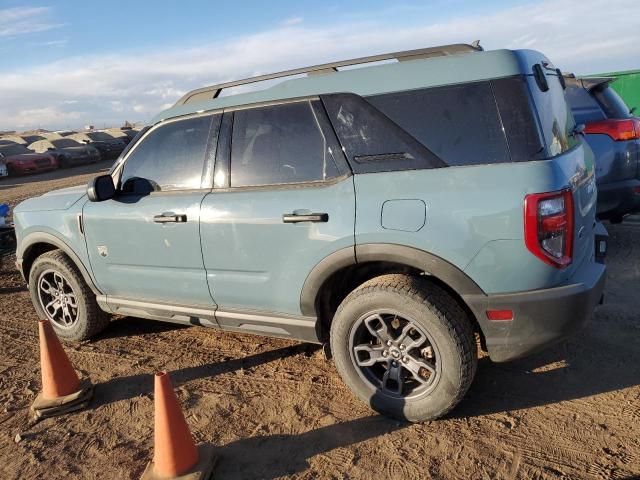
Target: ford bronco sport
{"x": 404, "y": 212}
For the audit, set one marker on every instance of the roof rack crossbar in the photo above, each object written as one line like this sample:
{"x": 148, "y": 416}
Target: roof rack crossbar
{"x": 213, "y": 91}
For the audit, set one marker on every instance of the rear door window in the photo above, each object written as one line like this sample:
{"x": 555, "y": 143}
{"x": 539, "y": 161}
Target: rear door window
{"x": 459, "y": 123}
{"x": 279, "y": 144}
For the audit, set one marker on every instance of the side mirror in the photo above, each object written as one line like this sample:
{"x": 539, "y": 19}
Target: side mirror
{"x": 101, "y": 188}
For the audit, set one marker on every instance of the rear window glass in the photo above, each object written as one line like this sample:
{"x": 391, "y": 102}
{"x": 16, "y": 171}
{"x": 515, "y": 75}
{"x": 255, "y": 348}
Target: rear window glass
{"x": 65, "y": 142}
{"x": 583, "y": 105}
{"x": 555, "y": 116}
{"x": 459, "y": 123}
{"x": 611, "y": 103}
{"x": 9, "y": 150}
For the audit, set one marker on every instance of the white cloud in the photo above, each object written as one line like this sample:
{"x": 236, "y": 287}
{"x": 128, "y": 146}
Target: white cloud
{"x": 292, "y": 21}
{"x": 135, "y": 85}
{"x": 51, "y": 43}
{"x": 22, "y": 20}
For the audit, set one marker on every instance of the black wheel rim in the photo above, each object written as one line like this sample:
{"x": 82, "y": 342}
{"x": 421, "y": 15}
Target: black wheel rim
{"x": 57, "y": 299}
{"x": 394, "y": 354}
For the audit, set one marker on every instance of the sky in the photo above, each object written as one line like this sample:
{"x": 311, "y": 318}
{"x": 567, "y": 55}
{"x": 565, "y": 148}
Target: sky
{"x": 70, "y": 63}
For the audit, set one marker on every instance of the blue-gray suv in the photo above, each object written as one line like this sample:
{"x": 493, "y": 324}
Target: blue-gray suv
{"x": 613, "y": 133}
{"x": 402, "y": 213}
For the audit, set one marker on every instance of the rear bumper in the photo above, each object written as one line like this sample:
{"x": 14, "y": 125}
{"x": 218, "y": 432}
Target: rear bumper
{"x": 618, "y": 198}
{"x": 540, "y": 317}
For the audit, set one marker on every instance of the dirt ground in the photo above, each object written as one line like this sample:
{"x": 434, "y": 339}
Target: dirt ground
{"x": 275, "y": 408}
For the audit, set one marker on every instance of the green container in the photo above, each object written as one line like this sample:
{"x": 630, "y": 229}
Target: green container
{"x": 627, "y": 84}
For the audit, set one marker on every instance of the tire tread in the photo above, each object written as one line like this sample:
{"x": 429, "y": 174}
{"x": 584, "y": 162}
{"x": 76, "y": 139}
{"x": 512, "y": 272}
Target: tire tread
{"x": 440, "y": 303}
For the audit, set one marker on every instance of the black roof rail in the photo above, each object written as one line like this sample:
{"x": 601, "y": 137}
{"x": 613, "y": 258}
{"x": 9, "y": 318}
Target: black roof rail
{"x": 213, "y": 91}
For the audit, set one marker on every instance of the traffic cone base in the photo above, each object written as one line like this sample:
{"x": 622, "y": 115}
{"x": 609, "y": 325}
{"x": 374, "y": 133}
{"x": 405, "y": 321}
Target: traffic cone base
{"x": 203, "y": 470}
{"x": 50, "y": 407}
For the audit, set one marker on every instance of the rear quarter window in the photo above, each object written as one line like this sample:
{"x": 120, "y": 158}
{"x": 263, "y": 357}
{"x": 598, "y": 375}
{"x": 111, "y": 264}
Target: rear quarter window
{"x": 459, "y": 123}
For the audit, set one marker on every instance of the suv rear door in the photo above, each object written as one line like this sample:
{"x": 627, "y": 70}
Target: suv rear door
{"x": 283, "y": 200}
{"x": 571, "y": 155}
{"x": 144, "y": 244}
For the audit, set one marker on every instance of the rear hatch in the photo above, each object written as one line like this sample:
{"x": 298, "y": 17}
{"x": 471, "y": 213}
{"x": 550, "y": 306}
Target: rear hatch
{"x": 573, "y": 160}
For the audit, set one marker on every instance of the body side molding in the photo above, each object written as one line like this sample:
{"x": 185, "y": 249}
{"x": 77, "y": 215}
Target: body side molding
{"x": 295, "y": 327}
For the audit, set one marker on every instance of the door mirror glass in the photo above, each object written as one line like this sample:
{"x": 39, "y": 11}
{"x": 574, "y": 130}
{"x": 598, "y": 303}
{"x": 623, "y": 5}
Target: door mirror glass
{"x": 101, "y": 188}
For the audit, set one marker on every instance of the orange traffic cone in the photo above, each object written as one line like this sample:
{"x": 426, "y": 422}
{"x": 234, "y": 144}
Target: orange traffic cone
{"x": 175, "y": 455}
{"x": 62, "y": 391}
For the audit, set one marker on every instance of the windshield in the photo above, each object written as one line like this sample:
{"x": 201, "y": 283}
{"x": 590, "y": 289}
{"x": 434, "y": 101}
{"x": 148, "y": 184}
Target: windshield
{"x": 16, "y": 149}
{"x": 65, "y": 142}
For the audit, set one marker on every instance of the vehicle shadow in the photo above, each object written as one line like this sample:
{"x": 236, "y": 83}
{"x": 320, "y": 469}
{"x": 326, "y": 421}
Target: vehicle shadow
{"x": 584, "y": 366}
{"x": 271, "y": 455}
{"x": 123, "y": 388}
{"x": 16, "y": 289}
{"x": 135, "y": 327}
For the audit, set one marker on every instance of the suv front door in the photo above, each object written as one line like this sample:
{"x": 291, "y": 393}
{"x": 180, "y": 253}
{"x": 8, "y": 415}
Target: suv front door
{"x": 144, "y": 244}
{"x": 283, "y": 200}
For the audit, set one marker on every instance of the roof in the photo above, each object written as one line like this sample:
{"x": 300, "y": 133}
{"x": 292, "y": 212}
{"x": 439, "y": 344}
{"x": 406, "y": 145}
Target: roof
{"x": 406, "y": 74}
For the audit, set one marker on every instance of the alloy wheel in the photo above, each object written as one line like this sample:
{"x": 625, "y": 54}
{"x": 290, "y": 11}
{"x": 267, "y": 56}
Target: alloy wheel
{"x": 57, "y": 298}
{"x": 394, "y": 354}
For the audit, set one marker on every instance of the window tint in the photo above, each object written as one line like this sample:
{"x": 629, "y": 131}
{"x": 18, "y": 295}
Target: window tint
{"x": 518, "y": 119}
{"x": 279, "y": 144}
{"x": 170, "y": 158}
{"x": 459, "y": 123}
{"x": 555, "y": 116}
{"x": 372, "y": 141}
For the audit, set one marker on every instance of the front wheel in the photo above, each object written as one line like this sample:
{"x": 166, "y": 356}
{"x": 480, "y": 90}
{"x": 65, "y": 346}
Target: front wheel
{"x": 60, "y": 295}
{"x": 405, "y": 347}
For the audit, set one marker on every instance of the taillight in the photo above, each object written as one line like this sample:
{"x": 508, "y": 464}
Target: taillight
{"x": 548, "y": 226}
{"x": 626, "y": 129}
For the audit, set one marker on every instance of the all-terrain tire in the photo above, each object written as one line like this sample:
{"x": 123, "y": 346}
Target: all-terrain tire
{"x": 434, "y": 310}
{"x": 90, "y": 319}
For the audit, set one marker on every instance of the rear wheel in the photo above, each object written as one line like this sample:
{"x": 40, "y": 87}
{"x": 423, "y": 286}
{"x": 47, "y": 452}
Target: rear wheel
{"x": 404, "y": 346}
{"x": 60, "y": 294}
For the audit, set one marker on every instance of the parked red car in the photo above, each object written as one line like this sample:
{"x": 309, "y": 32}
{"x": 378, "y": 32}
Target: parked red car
{"x": 21, "y": 161}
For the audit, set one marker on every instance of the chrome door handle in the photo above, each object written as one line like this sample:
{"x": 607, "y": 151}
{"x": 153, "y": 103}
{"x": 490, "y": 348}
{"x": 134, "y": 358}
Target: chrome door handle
{"x": 311, "y": 217}
{"x": 170, "y": 218}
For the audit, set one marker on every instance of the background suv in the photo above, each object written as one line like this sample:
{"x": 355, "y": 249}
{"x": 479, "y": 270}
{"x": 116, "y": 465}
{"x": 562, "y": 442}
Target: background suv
{"x": 396, "y": 211}
{"x": 613, "y": 133}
